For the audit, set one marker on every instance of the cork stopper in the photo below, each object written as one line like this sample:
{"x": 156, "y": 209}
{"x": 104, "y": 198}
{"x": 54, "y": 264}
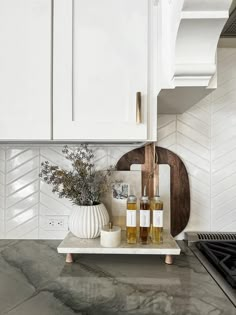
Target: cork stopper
{"x": 145, "y": 198}
{"x": 157, "y": 191}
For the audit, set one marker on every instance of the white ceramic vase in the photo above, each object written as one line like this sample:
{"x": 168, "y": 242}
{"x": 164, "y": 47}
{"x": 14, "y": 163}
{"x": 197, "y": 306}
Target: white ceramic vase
{"x": 87, "y": 221}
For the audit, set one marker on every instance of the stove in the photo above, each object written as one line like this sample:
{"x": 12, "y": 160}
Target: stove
{"x": 217, "y": 253}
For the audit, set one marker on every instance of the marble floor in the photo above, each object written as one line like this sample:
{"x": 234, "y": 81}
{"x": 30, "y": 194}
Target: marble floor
{"x": 34, "y": 280}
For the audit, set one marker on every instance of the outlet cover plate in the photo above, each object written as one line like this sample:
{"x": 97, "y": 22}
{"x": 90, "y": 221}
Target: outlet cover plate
{"x": 55, "y": 223}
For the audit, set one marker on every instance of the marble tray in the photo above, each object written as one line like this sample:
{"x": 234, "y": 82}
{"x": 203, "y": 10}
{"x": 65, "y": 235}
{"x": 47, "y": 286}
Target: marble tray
{"x": 74, "y": 245}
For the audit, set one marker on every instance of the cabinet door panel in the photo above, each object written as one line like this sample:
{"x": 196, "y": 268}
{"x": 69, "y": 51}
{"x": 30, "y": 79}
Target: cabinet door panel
{"x": 110, "y": 59}
{"x": 100, "y": 63}
{"x": 25, "y": 57}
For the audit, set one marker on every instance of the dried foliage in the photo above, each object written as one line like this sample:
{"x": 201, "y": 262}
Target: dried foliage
{"x": 83, "y": 184}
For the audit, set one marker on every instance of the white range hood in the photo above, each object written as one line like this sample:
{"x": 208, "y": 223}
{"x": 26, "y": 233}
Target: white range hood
{"x": 189, "y": 33}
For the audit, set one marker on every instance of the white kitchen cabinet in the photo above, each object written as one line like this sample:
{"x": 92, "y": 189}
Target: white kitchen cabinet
{"x": 104, "y": 52}
{"x": 25, "y": 66}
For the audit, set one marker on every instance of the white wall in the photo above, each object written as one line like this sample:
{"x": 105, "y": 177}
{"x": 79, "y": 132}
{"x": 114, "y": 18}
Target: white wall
{"x": 205, "y": 138}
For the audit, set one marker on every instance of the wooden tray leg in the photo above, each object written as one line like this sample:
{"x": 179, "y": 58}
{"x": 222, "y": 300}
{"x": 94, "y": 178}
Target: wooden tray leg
{"x": 69, "y": 258}
{"x": 169, "y": 259}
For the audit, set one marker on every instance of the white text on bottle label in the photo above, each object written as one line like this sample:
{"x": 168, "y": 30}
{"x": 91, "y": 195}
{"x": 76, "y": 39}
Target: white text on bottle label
{"x": 145, "y": 218}
{"x": 131, "y": 218}
{"x": 157, "y": 218}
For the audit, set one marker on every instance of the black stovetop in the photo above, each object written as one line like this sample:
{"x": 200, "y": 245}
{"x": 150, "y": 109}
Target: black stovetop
{"x": 223, "y": 256}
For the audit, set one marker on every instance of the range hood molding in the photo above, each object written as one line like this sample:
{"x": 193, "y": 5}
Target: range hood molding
{"x": 187, "y": 48}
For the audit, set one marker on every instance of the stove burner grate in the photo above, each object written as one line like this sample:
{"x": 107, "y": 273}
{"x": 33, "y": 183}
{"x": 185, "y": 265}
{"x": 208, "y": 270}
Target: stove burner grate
{"x": 223, "y": 256}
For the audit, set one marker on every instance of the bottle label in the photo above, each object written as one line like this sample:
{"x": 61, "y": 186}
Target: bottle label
{"x": 145, "y": 218}
{"x": 157, "y": 218}
{"x": 131, "y": 218}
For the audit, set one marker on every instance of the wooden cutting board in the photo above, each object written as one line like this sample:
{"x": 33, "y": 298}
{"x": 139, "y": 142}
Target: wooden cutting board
{"x": 150, "y": 157}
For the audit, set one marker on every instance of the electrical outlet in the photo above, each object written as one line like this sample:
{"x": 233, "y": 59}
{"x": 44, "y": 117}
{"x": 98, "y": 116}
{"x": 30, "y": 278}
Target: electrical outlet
{"x": 56, "y": 223}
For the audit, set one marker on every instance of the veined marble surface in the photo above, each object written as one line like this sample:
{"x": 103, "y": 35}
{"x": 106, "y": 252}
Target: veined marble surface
{"x": 35, "y": 280}
{"x": 72, "y": 244}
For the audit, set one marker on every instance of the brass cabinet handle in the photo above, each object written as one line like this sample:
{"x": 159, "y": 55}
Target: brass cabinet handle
{"x": 138, "y": 108}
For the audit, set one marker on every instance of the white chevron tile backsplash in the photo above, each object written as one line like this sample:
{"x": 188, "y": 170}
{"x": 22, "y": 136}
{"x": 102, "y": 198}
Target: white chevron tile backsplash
{"x": 49, "y": 203}
{"x": 223, "y": 194}
{"x": 204, "y": 137}
{"x": 192, "y": 144}
{"x": 22, "y": 193}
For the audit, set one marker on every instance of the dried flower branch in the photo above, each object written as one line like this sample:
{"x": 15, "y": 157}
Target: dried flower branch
{"x": 83, "y": 185}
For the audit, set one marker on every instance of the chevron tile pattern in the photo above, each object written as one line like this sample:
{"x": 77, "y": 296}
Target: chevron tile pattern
{"x": 205, "y": 138}
{"x": 22, "y": 193}
{"x": 224, "y": 144}
{"x": 193, "y": 141}
{"x": 188, "y": 135}
{"x": 50, "y": 204}
{"x": 26, "y": 203}
{"x": 167, "y": 136}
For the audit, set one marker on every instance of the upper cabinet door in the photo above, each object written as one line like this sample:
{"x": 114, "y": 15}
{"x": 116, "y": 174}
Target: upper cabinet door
{"x": 102, "y": 58}
{"x": 25, "y": 66}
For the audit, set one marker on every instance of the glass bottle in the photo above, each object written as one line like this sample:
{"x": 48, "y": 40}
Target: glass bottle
{"x": 157, "y": 220}
{"x": 144, "y": 218}
{"x": 131, "y": 220}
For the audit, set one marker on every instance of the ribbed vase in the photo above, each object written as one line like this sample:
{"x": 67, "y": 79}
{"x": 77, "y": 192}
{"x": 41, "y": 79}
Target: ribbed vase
{"x": 87, "y": 221}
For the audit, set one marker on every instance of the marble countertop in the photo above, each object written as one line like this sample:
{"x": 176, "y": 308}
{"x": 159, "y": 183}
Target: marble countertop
{"x": 35, "y": 280}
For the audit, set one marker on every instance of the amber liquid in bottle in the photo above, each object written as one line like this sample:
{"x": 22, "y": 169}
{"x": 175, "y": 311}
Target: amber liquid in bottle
{"x": 131, "y": 223}
{"x": 157, "y": 220}
{"x": 144, "y": 229}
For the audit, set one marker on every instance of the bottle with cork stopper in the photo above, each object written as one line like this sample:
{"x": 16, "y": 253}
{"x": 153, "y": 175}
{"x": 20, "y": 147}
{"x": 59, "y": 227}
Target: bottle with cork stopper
{"x": 131, "y": 220}
{"x": 144, "y": 218}
{"x": 157, "y": 218}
